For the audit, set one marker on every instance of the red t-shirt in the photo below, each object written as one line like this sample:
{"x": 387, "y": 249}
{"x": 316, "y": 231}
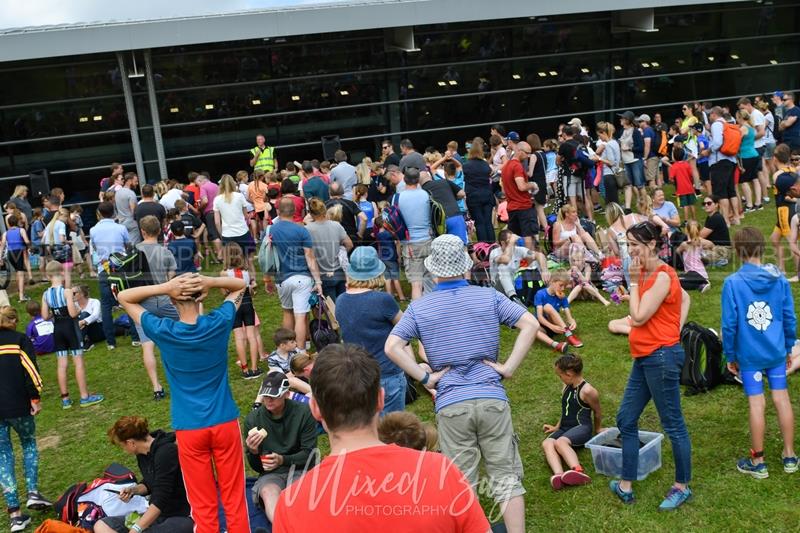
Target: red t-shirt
{"x": 195, "y": 190}
{"x": 517, "y": 199}
{"x": 381, "y": 488}
{"x": 681, "y": 173}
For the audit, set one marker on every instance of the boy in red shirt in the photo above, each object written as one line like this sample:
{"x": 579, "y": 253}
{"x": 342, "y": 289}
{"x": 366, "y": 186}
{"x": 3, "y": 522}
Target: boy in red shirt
{"x": 681, "y": 173}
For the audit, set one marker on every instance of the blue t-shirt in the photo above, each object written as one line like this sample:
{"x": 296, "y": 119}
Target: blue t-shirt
{"x": 184, "y": 251}
{"x": 414, "y": 205}
{"x": 367, "y": 209}
{"x": 702, "y": 144}
{"x": 387, "y": 250}
{"x": 792, "y": 133}
{"x": 667, "y": 210}
{"x": 366, "y": 319}
{"x": 649, "y": 133}
{"x": 543, "y": 298}
{"x": 315, "y": 187}
{"x": 195, "y": 358}
{"x": 289, "y": 240}
{"x": 37, "y": 232}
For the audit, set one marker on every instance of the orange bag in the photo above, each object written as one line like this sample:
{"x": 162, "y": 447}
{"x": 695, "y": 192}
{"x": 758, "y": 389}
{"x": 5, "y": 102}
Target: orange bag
{"x": 731, "y": 139}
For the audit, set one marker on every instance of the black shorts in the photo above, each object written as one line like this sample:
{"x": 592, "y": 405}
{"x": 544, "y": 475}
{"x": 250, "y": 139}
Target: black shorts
{"x": 702, "y": 168}
{"x": 16, "y": 258}
{"x": 722, "y": 184}
{"x": 245, "y": 242}
{"x": 66, "y": 334}
{"x": 541, "y": 195}
{"x": 260, "y": 214}
{"x": 211, "y": 226}
{"x": 523, "y": 222}
{"x": 750, "y": 169}
{"x": 578, "y": 435}
{"x": 245, "y": 315}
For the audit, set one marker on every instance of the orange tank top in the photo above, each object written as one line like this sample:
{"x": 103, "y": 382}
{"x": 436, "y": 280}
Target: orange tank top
{"x": 663, "y": 328}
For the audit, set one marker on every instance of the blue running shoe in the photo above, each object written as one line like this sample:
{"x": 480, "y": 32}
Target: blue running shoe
{"x": 675, "y": 498}
{"x": 625, "y": 497}
{"x": 759, "y": 471}
{"x": 66, "y": 403}
{"x": 790, "y": 465}
{"x": 92, "y": 399}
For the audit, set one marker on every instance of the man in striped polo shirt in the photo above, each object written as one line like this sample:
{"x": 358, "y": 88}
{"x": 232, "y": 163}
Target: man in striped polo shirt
{"x": 457, "y": 324}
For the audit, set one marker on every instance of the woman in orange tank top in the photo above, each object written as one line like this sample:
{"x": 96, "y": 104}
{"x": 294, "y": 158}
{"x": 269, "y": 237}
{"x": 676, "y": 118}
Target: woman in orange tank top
{"x": 658, "y": 309}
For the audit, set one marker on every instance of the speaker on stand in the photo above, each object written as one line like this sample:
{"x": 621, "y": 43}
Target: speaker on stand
{"x": 40, "y": 184}
{"x": 330, "y": 143}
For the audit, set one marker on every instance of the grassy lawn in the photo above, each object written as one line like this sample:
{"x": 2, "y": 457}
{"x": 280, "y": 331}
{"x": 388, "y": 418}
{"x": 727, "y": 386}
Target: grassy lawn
{"x": 74, "y": 446}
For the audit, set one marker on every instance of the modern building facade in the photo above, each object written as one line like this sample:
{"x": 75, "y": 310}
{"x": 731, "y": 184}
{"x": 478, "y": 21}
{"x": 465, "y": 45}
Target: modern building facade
{"x": 166, "y": 97}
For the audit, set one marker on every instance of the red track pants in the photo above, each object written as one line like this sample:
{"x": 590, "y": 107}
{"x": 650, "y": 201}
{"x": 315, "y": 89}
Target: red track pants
{"x": 202, "y": 452}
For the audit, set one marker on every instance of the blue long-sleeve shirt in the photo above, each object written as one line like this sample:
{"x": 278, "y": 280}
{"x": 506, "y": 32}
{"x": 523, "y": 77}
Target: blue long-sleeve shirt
{"x": 716, "y": 156}
{"x": 758, "y": 318}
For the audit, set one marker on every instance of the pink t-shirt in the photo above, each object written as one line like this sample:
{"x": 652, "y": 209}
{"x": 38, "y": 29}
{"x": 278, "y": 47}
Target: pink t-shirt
{"x": 209, "y": 189}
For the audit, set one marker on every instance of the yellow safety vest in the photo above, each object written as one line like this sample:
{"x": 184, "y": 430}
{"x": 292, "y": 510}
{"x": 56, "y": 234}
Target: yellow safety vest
{"x": 265, "y": 161}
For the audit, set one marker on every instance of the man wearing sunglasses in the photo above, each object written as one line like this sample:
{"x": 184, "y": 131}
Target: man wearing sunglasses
{"x": 388, "y": 156}
{"x": 285, "y": 449}
{"x": 790, "y": 125}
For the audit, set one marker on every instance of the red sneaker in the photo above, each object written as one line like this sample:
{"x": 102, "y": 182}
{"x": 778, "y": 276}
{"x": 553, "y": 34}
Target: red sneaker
{"x": 561, "y": 347}
{"x": 556, "y": 482}
{"x": 573, "y": 340}
{"x": 574, "y": 478}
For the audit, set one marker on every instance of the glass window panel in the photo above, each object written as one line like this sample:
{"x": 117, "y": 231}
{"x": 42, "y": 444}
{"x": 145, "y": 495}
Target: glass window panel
{"x": 59, "y": 78}
{"x": 63, "y": 119}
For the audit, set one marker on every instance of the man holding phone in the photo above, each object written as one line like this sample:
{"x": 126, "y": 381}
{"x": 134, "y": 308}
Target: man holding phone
{"x": 281, "y": 440}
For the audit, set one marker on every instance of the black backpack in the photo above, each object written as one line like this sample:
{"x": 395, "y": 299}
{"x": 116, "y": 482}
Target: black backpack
{"x": 322, "y": 332}
{"x": 704, "y": 367}
{"x": 127, "y": 270}
{"x": 66, "y": 507}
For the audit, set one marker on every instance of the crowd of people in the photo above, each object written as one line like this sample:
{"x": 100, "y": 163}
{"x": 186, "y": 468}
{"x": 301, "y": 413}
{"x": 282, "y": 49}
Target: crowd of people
{"x": 504, "y": 234}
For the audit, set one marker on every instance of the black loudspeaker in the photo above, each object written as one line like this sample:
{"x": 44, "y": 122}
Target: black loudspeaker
{"x": 330, "y": 143}
{"x": 40, "y": 183}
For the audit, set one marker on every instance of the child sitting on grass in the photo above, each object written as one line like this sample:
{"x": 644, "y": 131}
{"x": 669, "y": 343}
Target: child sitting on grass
{"x": 694, "y": 274}
{"x": 58, "y": 303}
{"x": 405, "y": 429}
{"x": 579, "y": 401}
{"x": 549, "y": 303}
{"x": 758, "y": 334}
{"x": 581, "y": 274}
{"x": 39, "y": 330}
{"x": 281, "y": 358}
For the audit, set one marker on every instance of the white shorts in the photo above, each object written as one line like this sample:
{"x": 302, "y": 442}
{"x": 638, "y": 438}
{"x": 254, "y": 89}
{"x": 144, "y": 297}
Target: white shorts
{"x": 551, "y": 176}
{"x": 294, "y": 293}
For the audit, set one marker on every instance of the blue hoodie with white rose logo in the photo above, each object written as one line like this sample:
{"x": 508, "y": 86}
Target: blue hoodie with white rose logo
{"x": 758, "y": 319}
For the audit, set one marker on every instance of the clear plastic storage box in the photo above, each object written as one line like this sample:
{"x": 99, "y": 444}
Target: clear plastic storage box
{"x": 608, "y": 459}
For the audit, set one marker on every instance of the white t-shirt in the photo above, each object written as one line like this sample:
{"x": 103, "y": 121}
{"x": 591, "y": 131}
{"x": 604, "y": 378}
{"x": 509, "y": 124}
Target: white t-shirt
{"x": 758, "y": 121}
{"x": 243, "y": 190}
{"x": 169, "y": 199}
{"x": 231, "y": 215}
{"x": 769, "y": 137}
{"x": 519, "y": 253}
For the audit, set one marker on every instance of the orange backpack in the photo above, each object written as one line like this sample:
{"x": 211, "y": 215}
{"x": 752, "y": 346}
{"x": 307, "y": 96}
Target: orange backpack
{"x": 731, "y": 139}
{"x": 663, "y": 146}
{"x": 57, "y": 526}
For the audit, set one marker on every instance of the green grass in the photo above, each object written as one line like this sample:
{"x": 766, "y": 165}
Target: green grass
{"x": 74, "y": 446}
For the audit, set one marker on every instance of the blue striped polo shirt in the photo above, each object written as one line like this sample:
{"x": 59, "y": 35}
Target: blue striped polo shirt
{"x": 459, "y": 325}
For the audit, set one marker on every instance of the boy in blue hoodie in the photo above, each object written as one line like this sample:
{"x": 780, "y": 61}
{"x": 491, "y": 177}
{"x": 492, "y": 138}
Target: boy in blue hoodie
{"x": 758, "y": 333}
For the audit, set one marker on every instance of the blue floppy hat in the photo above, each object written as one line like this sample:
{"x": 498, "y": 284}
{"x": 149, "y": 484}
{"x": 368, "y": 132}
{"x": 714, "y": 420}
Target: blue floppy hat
{"x": 365, "y": 264}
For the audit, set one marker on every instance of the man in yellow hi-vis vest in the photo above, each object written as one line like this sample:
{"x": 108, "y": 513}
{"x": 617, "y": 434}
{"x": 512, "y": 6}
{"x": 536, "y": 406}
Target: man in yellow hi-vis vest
{"x": 262, "y": 157}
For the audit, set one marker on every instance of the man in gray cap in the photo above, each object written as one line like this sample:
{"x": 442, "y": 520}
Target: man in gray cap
{"x": 650, "y": 149}
{"x": 457, "y": 324}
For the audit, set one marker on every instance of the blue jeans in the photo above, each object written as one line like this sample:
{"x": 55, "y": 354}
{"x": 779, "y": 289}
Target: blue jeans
{"x": 480, "y": 207}
{"x": 394, "y": 389}
{"x": 334, "y": 285}
{"x": 635, "y": 172}
{"x": 107, "y": 303}
{"x": 655, "y": 376}
{"x": 25, "y": 427}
